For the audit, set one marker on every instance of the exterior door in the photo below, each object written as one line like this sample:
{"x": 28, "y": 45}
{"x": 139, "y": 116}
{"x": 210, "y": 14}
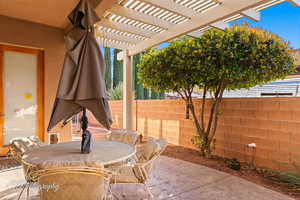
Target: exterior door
{"x": 21, "y": 94}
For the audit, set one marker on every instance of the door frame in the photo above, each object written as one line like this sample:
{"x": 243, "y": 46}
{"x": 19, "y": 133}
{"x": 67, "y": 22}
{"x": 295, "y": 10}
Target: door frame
{"x": 40, "y": 90}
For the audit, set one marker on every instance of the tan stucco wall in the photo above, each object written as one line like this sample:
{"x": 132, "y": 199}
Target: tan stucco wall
{"x": 17, "y": 32}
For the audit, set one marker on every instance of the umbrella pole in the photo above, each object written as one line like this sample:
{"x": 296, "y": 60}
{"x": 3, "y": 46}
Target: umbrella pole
{"x": 86, "y": 136}
{"x": 84, "y": 124}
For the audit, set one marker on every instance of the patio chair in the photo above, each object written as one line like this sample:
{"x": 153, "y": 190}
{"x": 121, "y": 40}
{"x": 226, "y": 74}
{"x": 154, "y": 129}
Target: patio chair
{"x": 18, "y": 146}
{"x": 141, "y": 170}
{"x": 124, "y": 136}
{"x": 75, "y": 183}
{"x": 17, "y": 149}
{"x": 36, "y": 141}
{"x": 22, "y": 144}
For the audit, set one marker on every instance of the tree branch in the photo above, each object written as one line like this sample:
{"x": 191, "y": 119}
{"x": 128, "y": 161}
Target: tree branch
{"x": 200, "y": 130}
{"x": 213, "y": 108}
{"x": 186, "y": 94}
{"x": 203, "y": 105}
{"x": 181, "y": 95}
{"x": 216, "y": 116}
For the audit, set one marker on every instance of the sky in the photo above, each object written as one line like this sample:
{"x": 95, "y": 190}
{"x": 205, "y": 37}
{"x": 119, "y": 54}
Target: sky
{"x": 282, "y": 19}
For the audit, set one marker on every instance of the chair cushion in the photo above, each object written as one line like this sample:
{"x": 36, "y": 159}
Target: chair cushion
{"x": 73, "y": 186}
{"x": 124, "y": 136}
{"x": 126, "y": 174}
{"x": 162, "y": 144}
{"x": 147, "y": 150}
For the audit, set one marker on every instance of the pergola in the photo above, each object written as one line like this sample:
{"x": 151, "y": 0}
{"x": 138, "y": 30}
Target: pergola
{"x": 136, "y": 25}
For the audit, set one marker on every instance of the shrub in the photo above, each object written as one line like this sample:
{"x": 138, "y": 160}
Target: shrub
{"x": 116, "y": 93}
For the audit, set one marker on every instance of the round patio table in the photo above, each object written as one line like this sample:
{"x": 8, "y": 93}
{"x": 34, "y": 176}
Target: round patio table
{"x": 68, "y": 154}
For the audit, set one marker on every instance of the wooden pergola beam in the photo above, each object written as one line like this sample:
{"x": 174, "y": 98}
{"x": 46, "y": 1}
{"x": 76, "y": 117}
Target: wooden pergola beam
{"x": 119, "y": 37}
{"x": 196, "y": 34}
{"x": 295, "y": 2}
{"x": 170, "y": 5}
{"x": 224, "y": 10}
{"x": 139, "y": 16}
{"x": 220, "y": 25}
{"x": 252, "y": 14}
{"x": 106, "y": 43}
{"x": 126, "y": 28}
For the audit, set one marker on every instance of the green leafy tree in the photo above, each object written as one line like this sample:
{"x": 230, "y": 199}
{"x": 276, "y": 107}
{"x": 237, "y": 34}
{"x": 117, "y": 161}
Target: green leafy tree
{"x": 141, "y": 92}
{"x": 117, "y": 69}
{"x": 239, "y": 57}
{"x": 138, "y": 88}
{"x": 108, "y": 75}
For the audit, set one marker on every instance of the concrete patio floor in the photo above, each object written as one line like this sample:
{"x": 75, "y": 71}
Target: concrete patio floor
{"x": 173, "y": 180}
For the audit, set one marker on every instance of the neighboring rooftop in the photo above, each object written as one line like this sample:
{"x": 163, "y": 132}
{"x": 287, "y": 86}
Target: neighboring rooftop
{"x": 297, "y": 54}
{"x": 283, "y": 88}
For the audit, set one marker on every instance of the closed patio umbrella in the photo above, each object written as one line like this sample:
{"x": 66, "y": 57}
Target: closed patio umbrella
{"x": 82, "y": 84}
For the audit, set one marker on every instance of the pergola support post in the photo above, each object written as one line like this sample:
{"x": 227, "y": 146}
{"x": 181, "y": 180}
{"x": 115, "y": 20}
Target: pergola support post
{"x": 127, "y": 91}
{"x": 294, "y": 2}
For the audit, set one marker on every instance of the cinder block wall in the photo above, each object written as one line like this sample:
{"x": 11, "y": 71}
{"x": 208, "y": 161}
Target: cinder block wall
{"x": 273, "y": 124}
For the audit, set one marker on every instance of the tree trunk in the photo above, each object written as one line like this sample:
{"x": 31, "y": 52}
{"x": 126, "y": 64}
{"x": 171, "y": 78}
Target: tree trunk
{"x": 214, "y": 116}
{"x": 206, "y": 135}
{"x": 202, "y": 141}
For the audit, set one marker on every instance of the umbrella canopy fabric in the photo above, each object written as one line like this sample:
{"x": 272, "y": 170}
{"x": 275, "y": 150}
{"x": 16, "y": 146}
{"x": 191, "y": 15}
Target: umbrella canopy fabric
{"x": 82, "y": 82}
